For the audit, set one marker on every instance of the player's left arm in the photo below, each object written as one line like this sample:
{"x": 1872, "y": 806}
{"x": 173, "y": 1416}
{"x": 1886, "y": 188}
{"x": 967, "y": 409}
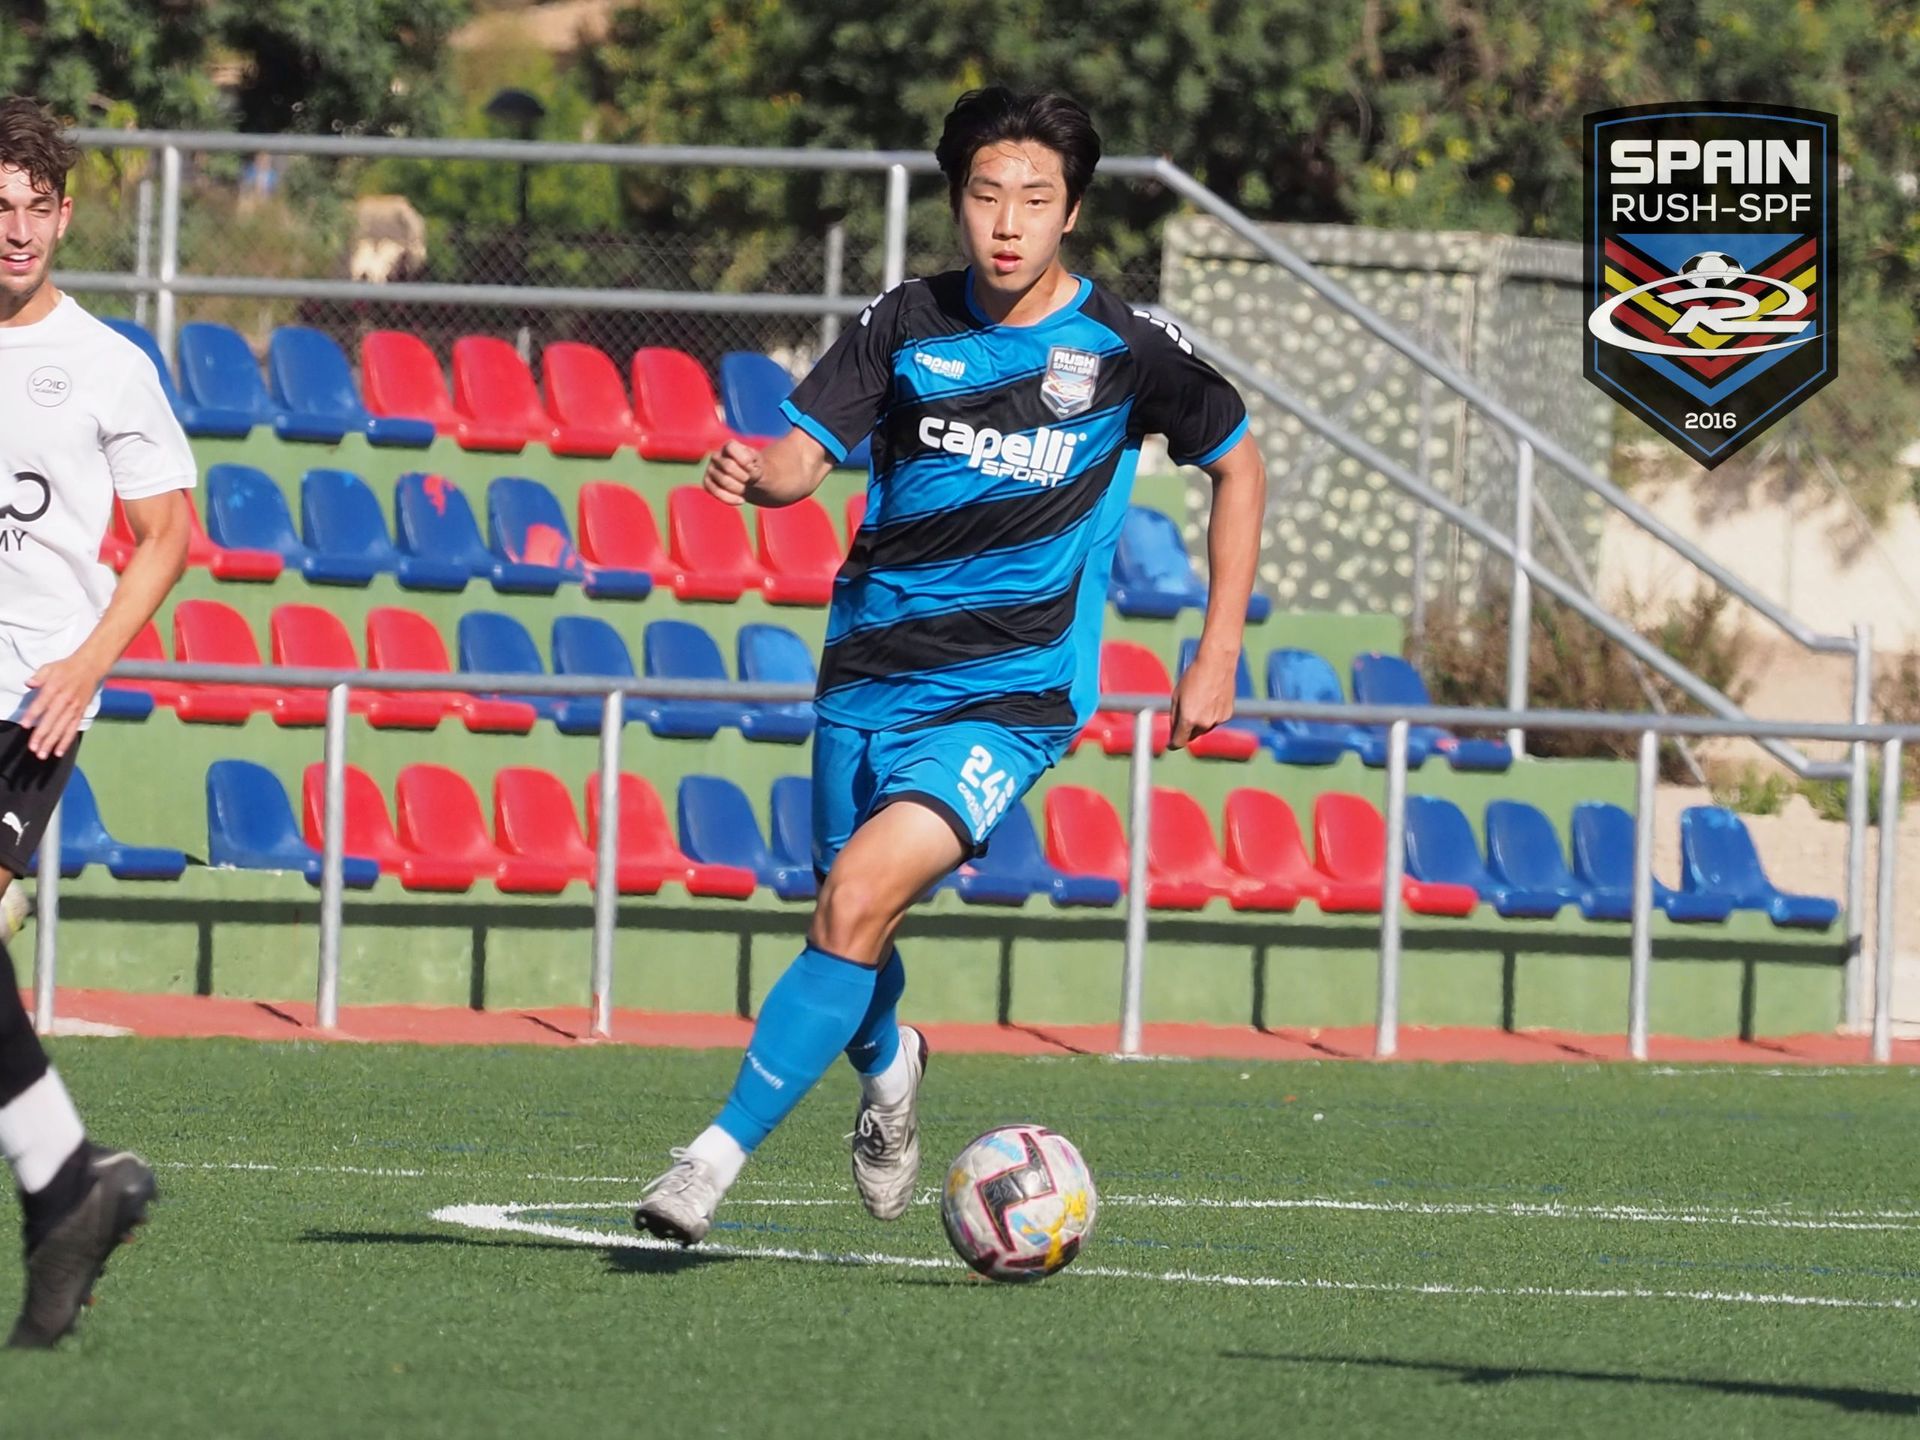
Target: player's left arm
{"x": 1204, "y": 697}
{"x": 63, "y": 689}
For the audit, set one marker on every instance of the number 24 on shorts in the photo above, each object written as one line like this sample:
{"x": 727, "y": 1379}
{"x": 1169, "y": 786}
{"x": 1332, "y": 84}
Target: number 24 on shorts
{"x": 989, "y": 788}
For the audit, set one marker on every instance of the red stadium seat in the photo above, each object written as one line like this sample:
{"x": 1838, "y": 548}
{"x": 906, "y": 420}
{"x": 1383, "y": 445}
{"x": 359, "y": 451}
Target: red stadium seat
{"x": 1350, "y": 843}
{"x": 675, "y": 409}
{"x": 646, "y": 841}
{"x": 618, "y": 532}
{"x": 1084, "y": 838}
{"x": 856, "y": 514}
{"x": 533, "y": 815}
{"x": 404, "y": 640}
{"x": 369, "y": 832}
{"x": 146, "y": 646}
{"x": 708, "y": 540}
{"x": 401, "y": 377}
{"x": 492, "y": 385}
{"x": 203, "y": 552}
{"x": 586, "y": 401}
{"x": 438, "y": 814}
{"x": 800, "y": 552}
{"x": 308, "y": 636}
{"x": 205, "y": 632}
{"x": 1263, "y": 841}
{"x": 1127, "y": 668}
{"x": 1181, "y": 849}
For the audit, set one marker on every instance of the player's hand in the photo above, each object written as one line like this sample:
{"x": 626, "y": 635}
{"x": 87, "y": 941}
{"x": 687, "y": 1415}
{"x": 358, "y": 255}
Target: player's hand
{"x": 733, "y": 471}
{"x": 1202, "y": 699}
{"x": 62, "y": 691}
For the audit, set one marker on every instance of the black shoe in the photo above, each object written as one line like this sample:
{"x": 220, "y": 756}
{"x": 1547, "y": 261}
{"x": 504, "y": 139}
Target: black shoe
{"x": 62, "y": 1268}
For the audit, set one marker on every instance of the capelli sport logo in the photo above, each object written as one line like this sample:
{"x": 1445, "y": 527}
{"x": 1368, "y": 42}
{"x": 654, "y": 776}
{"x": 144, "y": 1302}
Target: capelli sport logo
{"x": 1709, "y": 266}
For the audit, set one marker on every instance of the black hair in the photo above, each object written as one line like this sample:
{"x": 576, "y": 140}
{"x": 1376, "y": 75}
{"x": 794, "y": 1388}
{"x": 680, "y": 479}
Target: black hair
{"x": 996, "y": 115}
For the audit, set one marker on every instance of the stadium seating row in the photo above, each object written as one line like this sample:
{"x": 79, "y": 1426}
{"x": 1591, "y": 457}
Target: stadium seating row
{"x": 309, "y": 394}
{"x": 538, "y": 846}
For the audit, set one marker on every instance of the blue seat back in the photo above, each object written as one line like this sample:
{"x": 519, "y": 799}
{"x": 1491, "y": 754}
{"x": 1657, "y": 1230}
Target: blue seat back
{"x": 1717, "y": 851}
{"x": 1015, "y": 847}
{"x": 1441, "y": 845}
{"x": 1151, "y": 553}
{"x": 792, "y": 798}
{"x": 246, "y": 511}
{"x": 681, "y": 650}
{"x": 248, "y": 814}
{"x": 526, "y": 525}
{"x": 435, "y": 522}
{"x": 1523, "y": 849}
{"x": 217, "y": 369}
{"x": 310, "y": 374}
{"x": 143, "y": 337}
{"x": 1603, "y": 845}
{"x": 1387, "y": 680}
{"x": 585, "y": 645}
{"x": 752, "y": 388}
{"x": 81, "y": 827}
{"x": 1303, "y": 675}
{"x": 496, "y": 644}
{"x": 339, "y": 515}
{"x": 774, "y": 655}
{"x": 717, "y": 825}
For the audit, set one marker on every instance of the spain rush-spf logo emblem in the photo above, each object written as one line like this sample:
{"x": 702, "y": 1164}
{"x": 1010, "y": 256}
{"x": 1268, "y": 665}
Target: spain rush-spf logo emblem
{"x": 1709, "y": 266}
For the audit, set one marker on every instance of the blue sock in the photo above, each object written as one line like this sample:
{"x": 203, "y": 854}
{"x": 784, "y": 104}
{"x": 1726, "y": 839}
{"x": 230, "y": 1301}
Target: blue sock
{"x": 877, "y": 1040}
{"x": 807, "y": 1019}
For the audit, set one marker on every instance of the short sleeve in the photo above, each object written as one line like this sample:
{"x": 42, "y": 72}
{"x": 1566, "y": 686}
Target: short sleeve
{"x": 1182, "y": 397}
{"x": 146, "y": 449}
{"x": 843, "y": 397}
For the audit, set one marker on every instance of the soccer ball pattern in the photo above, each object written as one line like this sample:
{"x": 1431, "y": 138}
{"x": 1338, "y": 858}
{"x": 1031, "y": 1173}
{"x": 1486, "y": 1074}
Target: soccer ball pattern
{"x": 1018, "y": 1203}
{"x": 1711, "y": 265}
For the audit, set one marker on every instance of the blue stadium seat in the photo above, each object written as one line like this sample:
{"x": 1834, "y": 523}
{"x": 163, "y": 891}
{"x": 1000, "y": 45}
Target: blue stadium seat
{"x": 584, "y": 645}
{"x": 494, "y": 644}
{"x": 343, "y": 529}
{"x": 434, "y": 528}
{"x": 1603, "y": 862}
{"x": 1523, "y": 853}
{"x": 774, "y": 655}
{"x": 121, "y": 702}
{"x": 1014, "y": 855}
{"x": 532, "y": 544}
{"x": 247, "y": 511}
{"x": 1441, "y": 848}
{"x": 1303, "y": 675}
{"x": 681, "y": 650}
{"x": 84, "y": 841}
{"x": 250, "y": 826}
{"x": 792, "y": 829}
{"x": 310, "y": 376}
{"x": 752, "y": 389}
{"x": 199, "y": 421}
{"x": 717, "y": 826}
{"x": 1286, "y": 747}
{"x": 1153, "y": 576}
{"x": 217, "y": 370}
{"x": 1718, "y": 858}
{"x": 1389, "y": 680}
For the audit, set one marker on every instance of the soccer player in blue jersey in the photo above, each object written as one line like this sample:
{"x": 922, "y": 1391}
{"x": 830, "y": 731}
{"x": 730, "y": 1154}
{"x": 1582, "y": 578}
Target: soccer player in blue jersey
{"x": 1007, "y": 402}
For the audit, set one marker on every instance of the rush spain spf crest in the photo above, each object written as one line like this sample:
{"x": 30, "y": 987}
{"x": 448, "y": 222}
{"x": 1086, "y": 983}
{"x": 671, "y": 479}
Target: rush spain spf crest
{"x": 1709, "y": 266}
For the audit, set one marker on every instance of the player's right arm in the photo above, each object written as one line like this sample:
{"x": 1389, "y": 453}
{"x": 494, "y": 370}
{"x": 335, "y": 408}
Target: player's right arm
{"x": 789, "y": 469}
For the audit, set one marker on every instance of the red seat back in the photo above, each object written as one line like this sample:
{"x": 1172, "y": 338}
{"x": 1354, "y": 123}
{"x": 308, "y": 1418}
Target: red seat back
{"x": 1350, "y": 838}
{"x": 1083, "y": 833}
{"x": 1263, "y": 838}
{"x": 491, "y": 383}
{"x": 709, "y": 539}
{"x": 1131, "y": 669}
{"x": 533, "y": 816}
{"x": 404, "y": 640}
{"x": 439, "y": 815}
{"x": 309, "y": 636}
{"x": 645, "y": 837}
{"x": 798, "y": 540}
{"x": 617, "y": 528}
{"x": 400, "y": 376}
{"x": 674, "y": 406}
{"x": 583, "y": 387}
{"x": 1180, "y": 843}
{"x": 205, "y": 632}
{"x": 369, "y": 831}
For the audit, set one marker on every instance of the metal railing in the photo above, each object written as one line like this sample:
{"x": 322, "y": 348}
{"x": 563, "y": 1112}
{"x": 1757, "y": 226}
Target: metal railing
{"x": 1649, "y": 728}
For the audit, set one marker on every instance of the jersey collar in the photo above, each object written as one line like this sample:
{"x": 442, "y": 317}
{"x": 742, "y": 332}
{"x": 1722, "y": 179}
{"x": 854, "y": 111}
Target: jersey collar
{"x": 1065, "y": 312}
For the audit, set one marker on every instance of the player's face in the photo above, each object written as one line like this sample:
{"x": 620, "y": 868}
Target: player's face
{"x": 31, "y": 225}
{"x": 1013, "y": 213}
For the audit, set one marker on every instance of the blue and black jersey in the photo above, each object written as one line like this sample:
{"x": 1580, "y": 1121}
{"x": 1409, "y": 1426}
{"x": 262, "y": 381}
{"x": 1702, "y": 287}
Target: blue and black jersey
{"x": 1003, "y": 460}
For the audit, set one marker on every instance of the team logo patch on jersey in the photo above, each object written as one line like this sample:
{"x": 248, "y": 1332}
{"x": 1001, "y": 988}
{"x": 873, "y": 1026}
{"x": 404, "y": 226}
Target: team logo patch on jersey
{"x": 1067, "y": 387}
{"x": 49, "y": 386}
{"x": 1709, "y": 266}
{"x": 24, "y": 497}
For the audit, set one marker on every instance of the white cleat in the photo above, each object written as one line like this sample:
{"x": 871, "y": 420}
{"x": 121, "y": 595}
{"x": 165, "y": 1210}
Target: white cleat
{"x": 886, "y": 1140}
{"x": 13, "y": 911}
{"x": 679, "y": 1205}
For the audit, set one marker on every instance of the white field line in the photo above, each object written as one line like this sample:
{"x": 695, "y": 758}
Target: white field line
{"x": 509, "y": 1219}
{"x": 825, "y": 1196}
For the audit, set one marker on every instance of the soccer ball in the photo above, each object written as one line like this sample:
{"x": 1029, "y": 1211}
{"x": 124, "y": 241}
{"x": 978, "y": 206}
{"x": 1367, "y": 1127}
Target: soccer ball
{"x": 1018, "y": 1203}
{"x": 1711, "y": 265}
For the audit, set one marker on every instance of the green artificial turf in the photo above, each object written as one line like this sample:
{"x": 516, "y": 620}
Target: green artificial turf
{"x": 294, "y": 1282}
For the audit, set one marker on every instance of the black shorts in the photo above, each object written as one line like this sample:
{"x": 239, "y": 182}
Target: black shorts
{"x": 29, "y": 789}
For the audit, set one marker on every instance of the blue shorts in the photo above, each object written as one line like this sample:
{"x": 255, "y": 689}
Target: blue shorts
{"x": 968, "y": 773}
